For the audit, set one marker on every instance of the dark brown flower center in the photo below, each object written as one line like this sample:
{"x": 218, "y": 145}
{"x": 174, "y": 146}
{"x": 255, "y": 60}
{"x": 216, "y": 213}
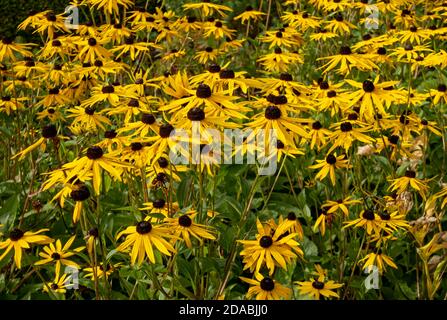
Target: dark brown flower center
{"x": 147, "y": 118}
{"x": 144, "y": 227}
{"x": 165, "y": 130}
{"x": 286, "y": 77}
{"x": 136, "y": 146}
{"x": 368, "y": 86}
{"x": 266, "y": 241}
{"x": 318, "y": 285}
{"x": 316, "y": 125}
{"x": 442, "y": 88}
{"x": 345, "y": 50}
{"x": 331, "y": 159}
{"x": 346, "y": 127}
{"x": 94, "y": 153}
{"x": 110, "y": 134}
{"x": 291, "y": 216}
{"x": 89, "y": 110}
{"x": 196, "y": 114}
{"x": 92, "y": 42}
{"x": 94, "y": 232}
{"x": 185, "y": 221}
{"x": 108, "y": 89}
{"x": 410, "y": 174}
{"x": 272, "y": 113}
{"x": 226, "y": 74}
{"x": 203, "y": 91}
{"x": 16, "y": 234}
{"x": 56, "y": 256}
{"x": 80, "y": 194}
{"x": 214, "y": 68}
{"x": 49, "y": 131}
{"x": 159, "y": 203}
{"x": 368, "y": 215}
{"x": 267, "y": 284}
{"x": 394, "y": 139}
{"x": 331, "y": 94}
{"x": 163, "y": 162}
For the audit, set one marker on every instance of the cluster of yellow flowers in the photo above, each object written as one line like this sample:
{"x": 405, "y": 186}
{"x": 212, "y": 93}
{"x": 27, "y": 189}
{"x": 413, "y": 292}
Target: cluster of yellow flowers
{"x": 108, "y": 94}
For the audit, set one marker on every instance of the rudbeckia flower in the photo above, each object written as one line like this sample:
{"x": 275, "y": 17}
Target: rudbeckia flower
{"x": 372, "y": 97}
{"x": 347, "y": 61}
{"x": 218, "y": 30}
{"x": 275, "y": 119}
{"x": 92, "y": 49}
{"x": 346, "y": 135}
{"x": 184, "y": 226}
{"x": 368, "y": 220}
{"x": 409, "y": 180}
{"x": 99, "y": 272}
{"x": 59, "y": 285}
{"x": 280, "y": 61}
{"x": 335, "y": 206}
{"x": 59, "y": 254}
{"x": 142, "y": 238}
{"x": 265, "y": 288}
{"x": 111, "y": 6}
{"x": 88, "y": 118}
{"x": 316, "y": 288}
{"x": 271, "y": 248}
{"x": 48, "y": 132}
{"x": 208, "y": 8}
{"x": 9, "y": 50}
{"x": 19, "y": 240}
{"x": 91, "y": 164}
{"x": 328, "y": 166}
{"x": 379, "y": 259}
{"x": 249, "y": 14}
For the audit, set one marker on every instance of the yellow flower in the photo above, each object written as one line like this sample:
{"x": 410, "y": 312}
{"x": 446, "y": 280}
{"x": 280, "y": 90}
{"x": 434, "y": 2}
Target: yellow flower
{"x": 90, "y": 166}
{"x": 59, "y": 284}
{"x": 19, "y": 240}
{"x": 277, "y": 249}
{"x": 142, "y": 238}
{"x": 184, "y": 227}
{"x": 59, "y": 255}
{"x": 100, "y": 272}
{"x": 379, "y": 259}
{"x": 110, "y": 6}
{"x": 316, "y": 288}
{"x": 328, "y": 166}
{"x": 249, "y": 14}
{"x": 368, "y": 220}
{"x": 334, "y": 206}
{"x": 265, "y": 288}
{"x": 409, "y": 180}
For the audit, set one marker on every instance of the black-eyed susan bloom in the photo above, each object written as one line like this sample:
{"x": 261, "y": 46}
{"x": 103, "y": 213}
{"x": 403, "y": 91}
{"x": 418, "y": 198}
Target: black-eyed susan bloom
{"x": 266, "y": 288}
{"x": 340, "y": 205}
{"x": 184, "y": 227}
{"x": 249, "y": 15}
{"x": 142, "y": 239}
{"x": 101, "y": 272}
{"x": 91, "y": 165}
{"x": 48, "y": 133}
{"x": 20, "y": 240}
{"x": 378, "y": 259}
{"x": 409, "y": 180}
{"x": 368, "y": 220}
{"x": 329, "y": 165}
{"x": 272, "y": 250}
{"x": 58, "y": 254}
{"x": 59, "y": 285}
{"x": 316, "y": 288}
